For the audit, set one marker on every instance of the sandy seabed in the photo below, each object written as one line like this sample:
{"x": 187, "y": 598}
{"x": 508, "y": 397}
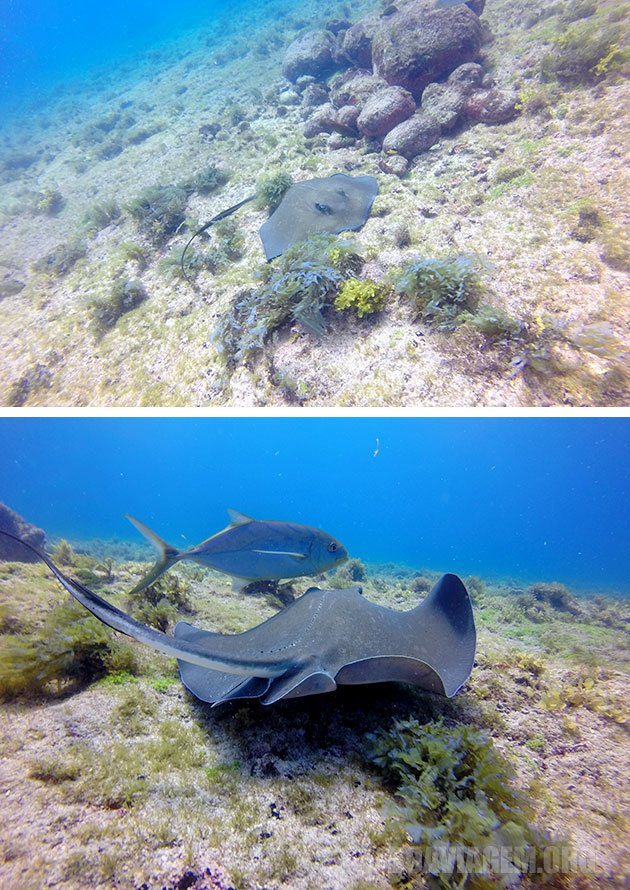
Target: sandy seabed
{"x": 511, "y": 195}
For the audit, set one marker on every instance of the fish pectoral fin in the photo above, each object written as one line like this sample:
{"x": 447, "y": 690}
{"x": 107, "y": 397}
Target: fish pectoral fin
{"x": 239, "y": 584}
{"x": 281, "y": 553}
{"x": 237, "y": 518}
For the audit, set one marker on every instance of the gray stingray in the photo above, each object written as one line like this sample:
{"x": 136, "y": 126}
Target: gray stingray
{"x": 338, "y": 203}
{"x": 325, "y": 639}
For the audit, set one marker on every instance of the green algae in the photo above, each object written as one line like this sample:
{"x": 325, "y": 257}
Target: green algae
{"x": 454, "y": 788}
{"x": 101, "y": 215}
{"x": 207, "y": 180}
{"x": 270, "y": 190}
{"x": 441, "y": 289}
{"x": 61, "y": 259}
{"x": 124, "y": 295}
{"x": 298, "y": 286}
{"x": 160, "y": 604}
{"x": 364, "y": 296}
{"x": 71, "y": 649}
{"x": 50, "y": 202}
{"x": 159, "y": 211}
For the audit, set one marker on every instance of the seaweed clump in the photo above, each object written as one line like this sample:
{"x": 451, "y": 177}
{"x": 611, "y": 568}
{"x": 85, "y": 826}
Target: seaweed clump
{"x": 303, "y": 282}
{"x": 101, "y": 215}
{"x": 159, "y": 210}
{"x": 270, "y": 190}
{"x": 61, "y": 259}
{"x": 159, "y": 604}
{"x": 125, "y": 294}
{"x": 50, "y": 202}
{"x": 442, "y": 289}
{"x": 363, "y": 295}
{"x": 71, "y": 649}
{"x": 206, "y": 181}
{"x": 455, "y": 789}
{"x": 495, "y": 324}
{"x": 584, "y": 53}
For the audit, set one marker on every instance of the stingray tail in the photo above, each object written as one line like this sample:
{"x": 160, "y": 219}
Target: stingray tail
{"x": 218, "y": 652}
{"x": 168, "y": 555}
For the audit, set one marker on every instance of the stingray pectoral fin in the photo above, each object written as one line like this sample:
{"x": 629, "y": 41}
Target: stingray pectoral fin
{"x": 298, "y": 683}
{"x": 168, "y": 555}
{"x": 446, "y": 628}
{"x": 252, "y": 687}
{"x": 391, "y": 668}
{"x": 212, "y": 686}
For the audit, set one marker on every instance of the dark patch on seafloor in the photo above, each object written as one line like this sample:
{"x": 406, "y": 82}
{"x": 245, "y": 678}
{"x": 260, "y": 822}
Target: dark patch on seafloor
{"x": 303, "y": 736}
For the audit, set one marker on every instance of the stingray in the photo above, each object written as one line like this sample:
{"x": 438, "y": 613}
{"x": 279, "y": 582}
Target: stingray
{"x": 325, "y": 639}
{"x": 338, "y": 203}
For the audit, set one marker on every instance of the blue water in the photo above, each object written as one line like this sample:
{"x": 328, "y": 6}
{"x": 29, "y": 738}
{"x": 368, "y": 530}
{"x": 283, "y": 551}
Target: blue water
{"x": 524, "y": 499}
{"x": 46, "y": 43}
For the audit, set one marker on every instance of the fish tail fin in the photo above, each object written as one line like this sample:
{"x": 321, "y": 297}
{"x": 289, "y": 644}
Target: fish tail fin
{"x": 168, "y": 555}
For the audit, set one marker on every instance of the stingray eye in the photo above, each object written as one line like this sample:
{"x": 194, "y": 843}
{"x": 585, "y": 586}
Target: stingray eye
{"x": 332, "y": 548}
{"x": 324, "y": 208}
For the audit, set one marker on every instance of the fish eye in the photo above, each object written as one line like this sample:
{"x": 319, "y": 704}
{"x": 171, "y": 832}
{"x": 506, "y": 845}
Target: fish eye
{"x": 332, "y": 547}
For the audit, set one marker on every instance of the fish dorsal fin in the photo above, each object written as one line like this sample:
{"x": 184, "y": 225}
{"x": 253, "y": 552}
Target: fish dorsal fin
{"x": 238, "y": 518}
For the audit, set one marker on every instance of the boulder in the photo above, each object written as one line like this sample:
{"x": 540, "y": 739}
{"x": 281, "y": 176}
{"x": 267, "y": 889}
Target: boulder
{"x": 12, "y": 522}
{"x": 445, "y": 101}
{"x": 354, "y": 87}
{"x": 421, "y": 44}
{"x": 314, "y": 94}
{"x": 346, "y": 117}
{"x": 413, "y": 136}
{"x": 357, "y": 41}
{"x": 384, "y": 110}
{"x": 323, "y": 120}
{"x": 491, "y": 106}
{"x": 312, "y": 53}
{"x": 328, "y": 119}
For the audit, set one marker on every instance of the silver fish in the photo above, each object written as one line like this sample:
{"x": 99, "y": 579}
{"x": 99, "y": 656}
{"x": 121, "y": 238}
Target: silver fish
{"x": 252, "y": 550}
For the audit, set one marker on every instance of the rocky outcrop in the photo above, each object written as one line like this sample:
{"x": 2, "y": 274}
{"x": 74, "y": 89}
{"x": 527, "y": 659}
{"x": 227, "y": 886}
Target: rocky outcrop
{"x": 12, "y": 522}
{"x": 466, "y": 96}
{"x": 312, "y": 53}
{"x": 395, "y": 92}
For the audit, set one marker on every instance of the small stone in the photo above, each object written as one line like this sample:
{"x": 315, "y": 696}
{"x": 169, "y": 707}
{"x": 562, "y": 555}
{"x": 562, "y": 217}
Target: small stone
{"x": 289, "y": 97}
{"x": 395, "y": 165}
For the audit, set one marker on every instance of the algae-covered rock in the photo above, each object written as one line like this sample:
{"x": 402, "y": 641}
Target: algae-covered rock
{"x": 384, "y": 110}
{"x": 311, "y": 53}
{"x": 14, "y": 524}
{"x": 413, "y": 136}
{"x": 419, "y": 44}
